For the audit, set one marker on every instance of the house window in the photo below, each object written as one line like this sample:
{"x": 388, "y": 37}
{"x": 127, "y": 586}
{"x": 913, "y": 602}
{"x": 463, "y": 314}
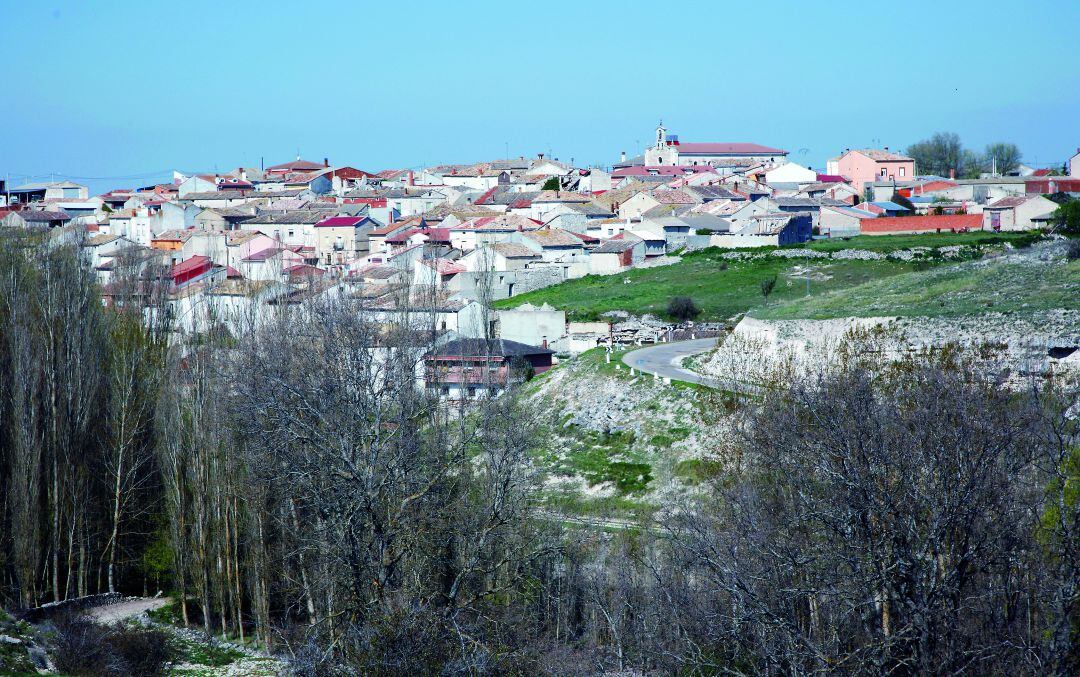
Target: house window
{"x": 903, "y": 171}
{"x": 883, "y": 171}
{"x": 472, "y": 392}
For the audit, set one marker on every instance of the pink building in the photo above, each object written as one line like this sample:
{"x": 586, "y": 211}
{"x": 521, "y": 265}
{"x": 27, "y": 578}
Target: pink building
{"x": 867, "y": 165}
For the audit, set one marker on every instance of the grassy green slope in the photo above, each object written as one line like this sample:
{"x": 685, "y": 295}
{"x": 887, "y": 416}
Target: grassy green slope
{"x": 720, "y": 288}
{"x": 723, "y": 288}
{"x": 958, "y": 290}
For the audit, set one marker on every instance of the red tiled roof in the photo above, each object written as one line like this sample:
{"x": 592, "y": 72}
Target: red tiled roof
{"x": 444, "y": 266}
{"x": 296, "y": 166}
{"x": 831, "y": 178}
{"x": 728, "y": 149}
{"x": 403, "y": 236}
{"x": 486, "y": 197}
{"x": 908, "y": 224}
{"x": 661, "y": 170}
{"x": 340, "y": 221}
{"x": 304, "y": 270}
{"x": 189, "y": 265}
{"x": 1041, "y": 172}
{"x": 930, "y": 187}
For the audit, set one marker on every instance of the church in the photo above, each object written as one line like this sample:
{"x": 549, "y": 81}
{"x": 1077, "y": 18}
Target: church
{"x": 668, "y": 150}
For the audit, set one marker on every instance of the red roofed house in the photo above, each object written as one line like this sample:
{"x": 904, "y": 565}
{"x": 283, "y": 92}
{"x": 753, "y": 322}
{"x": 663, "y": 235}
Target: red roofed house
{"x": 909, "y": 225}
{"x": 668, "y": 150}
{"x": 195, "y": 269}
{"x": 935, "y": 186}
{"x": 341, "y": 239}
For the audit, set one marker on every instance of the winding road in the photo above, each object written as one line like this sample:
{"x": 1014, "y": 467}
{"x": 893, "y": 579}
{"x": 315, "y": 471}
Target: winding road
{"x": 666, "y": 359}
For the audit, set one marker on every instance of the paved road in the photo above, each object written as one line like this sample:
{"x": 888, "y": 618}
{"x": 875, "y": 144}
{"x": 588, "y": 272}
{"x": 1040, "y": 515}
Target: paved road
{"x": 664, "y": 359}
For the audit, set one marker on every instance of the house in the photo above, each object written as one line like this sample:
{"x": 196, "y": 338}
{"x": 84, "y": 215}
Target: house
{"x": 885, "y": 208}
{"x": 501, "y": 256}
{"x": 1074, "y": 165}
{"x": 774, "y": 229}
{"x": 616, "y": 255}
{"x": 296, "y": 227}
{"x": 553, "y": 245}
{"x": 55, "y": 190}
{"x": 836, "y": 221}
{"x": 340, "y": 239}
{"x": 867, "y": 165}
{"x": 645, "y": 200}
{"x": 195, "y": 269}
{"x": 577, "y": 217}
{"x": 172, "y": 241}
{"x": 470, "y": 368}
{"x": 531, "y": 325}
{"x": 1047, "y": 185}
{"x": 475, "y": 232}
{"x": 36, "y": 218}
{"x": 790, "y": 173}
{"x": 199, "y": 183}
{"x": 296, "y": 166}
{"x": 1022, "y": 212}
{"x": 833, "y": 190}
{"x": 223, "y": 218}
{"x": 436, "y": 272}
{"x": 673, "y": 229}
{"x": 908, "y": 225}
{"x": 268, "y": 263}
{"x": 668, "y": 150}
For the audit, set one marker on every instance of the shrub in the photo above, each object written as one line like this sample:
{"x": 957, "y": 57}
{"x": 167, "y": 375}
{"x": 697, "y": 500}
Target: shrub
{"x": 767, "y": 286}
{"x": 1067, "y": 218}
{"x": 682, "y": 308}
{"x": 80, "y": 647}
{"x": 83, "y": 647}
{"x": 1073, "y": 252}
{"x": 551, "y": 184}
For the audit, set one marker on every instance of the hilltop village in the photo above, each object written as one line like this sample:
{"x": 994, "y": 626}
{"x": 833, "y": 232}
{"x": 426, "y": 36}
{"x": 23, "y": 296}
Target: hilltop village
{"x": 459, "y": 243}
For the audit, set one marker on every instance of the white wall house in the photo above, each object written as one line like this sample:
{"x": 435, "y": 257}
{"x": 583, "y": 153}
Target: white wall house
{"x": 789, "y": 172}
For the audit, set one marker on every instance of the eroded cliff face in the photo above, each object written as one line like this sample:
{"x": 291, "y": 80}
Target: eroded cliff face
{"x": 759, "y": 350}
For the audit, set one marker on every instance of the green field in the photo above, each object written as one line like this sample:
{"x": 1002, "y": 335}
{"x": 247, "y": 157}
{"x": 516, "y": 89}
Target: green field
{"x": 722, "y": 289}
{"x": 947, "y": 291}
{"x": 725, "y": 288}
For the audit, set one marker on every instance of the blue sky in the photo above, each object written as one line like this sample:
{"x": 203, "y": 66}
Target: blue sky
{"x": 118, "y": 89}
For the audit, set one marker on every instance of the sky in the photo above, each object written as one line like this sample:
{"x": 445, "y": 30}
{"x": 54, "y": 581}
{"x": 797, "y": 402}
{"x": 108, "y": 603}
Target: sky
{"x": 118, "y": 94}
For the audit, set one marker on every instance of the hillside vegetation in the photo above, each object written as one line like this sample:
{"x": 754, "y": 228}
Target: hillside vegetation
{"x": 725, "y": 283}
{"x": 1018, "y": 285}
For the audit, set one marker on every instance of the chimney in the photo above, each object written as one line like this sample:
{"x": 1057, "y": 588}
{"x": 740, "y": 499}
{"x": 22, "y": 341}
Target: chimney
{"x": 412, "y": 178}
{"x": 886, "y": 148}
{"x": 622, "y": 156}
{"x": 326, "y": 161}
{"x": 539, "y": 156}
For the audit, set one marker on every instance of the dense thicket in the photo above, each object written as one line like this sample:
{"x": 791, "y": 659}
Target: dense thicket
{"x": 287, "y": 479}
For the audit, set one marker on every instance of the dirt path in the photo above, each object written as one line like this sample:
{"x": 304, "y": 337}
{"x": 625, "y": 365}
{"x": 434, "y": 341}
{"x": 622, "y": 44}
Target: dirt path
{"x": 111, "y": 613}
